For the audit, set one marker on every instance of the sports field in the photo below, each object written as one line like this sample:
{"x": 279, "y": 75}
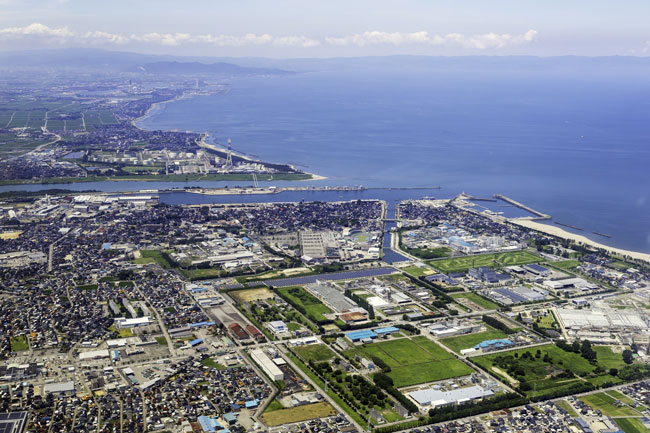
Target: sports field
{"x": 494, "y": 260}
{"x": 414, "y": 361}
{"x": 251, "y": 295}
{"x": 470, "y": 340}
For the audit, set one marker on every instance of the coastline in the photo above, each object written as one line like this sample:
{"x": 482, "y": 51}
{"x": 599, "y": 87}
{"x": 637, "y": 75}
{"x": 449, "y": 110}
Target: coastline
{"x": 205, "y": 144}
{"x": 579, "y": 239}
{"x": 204, "y": 135}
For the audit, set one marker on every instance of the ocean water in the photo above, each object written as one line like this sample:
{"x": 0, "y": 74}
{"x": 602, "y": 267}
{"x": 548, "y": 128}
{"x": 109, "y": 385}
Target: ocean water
{"x": 572, "y": 145}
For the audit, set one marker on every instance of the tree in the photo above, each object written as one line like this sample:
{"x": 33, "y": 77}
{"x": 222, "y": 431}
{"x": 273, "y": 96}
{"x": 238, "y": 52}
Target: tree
{"x": 613, "y": 371}
{"x": 627, "y": 356}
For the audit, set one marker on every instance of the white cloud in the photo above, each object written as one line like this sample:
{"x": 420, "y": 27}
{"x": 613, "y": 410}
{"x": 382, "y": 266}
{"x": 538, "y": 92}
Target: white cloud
{"x": 481, "y": 42}
{"x": 35, "y": 29}
{"x": 63, "y": 34}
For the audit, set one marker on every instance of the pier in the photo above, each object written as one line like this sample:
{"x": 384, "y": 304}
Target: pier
{"x": 539, "y": 215}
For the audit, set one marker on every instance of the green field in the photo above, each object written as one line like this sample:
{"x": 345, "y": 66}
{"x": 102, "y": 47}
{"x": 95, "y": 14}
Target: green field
{"x": 19, "y": 343}
{"x": 609, "y": 359}
{"x": 157, "y": 256}
{"x": 414, "y": 361}
{"x": 631, "y": 425}
{"x": 494, "y": 260}
{"x": 417, "y": 271}
{"x": 478, "y": 300}
{"x": 277, "y": 417}
{"x": 200, "y": 274}
{"x": 314, "y": 352}
{"x": 566, "y": 264}
{"x": 605, "y": 403}
{"x": 619, "y": 396}
{"x": 539, "y": 377}
{"x": 314, "y": 309}
{"x": 209, "y": 362}
{"x": 466, "y": 341}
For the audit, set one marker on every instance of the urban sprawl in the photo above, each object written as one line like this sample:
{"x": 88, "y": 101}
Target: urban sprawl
{"x": 122, "y": 313}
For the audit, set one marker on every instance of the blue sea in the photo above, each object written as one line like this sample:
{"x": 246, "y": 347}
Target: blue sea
{"x": 572, "y": 145}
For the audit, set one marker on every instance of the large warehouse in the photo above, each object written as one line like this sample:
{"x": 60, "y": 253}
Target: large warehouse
{"x": 438, "y": 398}
{"x": 267, "y": 364}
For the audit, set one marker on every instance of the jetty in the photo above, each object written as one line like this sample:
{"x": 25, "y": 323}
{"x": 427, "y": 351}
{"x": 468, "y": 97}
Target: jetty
{"x": 539, "y": 216}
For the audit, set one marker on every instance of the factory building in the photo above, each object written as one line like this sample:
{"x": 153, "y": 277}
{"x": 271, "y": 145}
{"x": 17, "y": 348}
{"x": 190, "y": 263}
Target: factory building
{"x": 438, "y": 398}
{"x": 267, "y": 365}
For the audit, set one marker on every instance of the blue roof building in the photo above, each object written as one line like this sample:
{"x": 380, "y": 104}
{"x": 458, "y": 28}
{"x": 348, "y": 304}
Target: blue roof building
{"x": 252, "y": 403}
{"x": 230, "y": 417}
{"x": 498, "y": 344}
{"x": 196, "y": 342}
{"x": 355, "y": 336}
{"x": 209, "y": 424}
{"x": 386, "y": 331}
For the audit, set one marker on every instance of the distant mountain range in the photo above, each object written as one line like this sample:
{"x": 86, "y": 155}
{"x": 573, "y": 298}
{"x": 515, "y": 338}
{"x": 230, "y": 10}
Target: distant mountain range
{"x": 114, "y": 61}
{"x": 88, "y": 59}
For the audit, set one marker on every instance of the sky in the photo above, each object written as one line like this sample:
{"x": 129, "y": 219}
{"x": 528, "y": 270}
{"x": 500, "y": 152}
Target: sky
{"x": 330, "y": 28}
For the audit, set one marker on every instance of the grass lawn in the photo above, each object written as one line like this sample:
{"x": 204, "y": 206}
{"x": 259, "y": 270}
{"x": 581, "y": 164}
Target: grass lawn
{"x": 631, "y": 425}
{"x": 605, "y": 403}
{"x": 478, "y": 300}
{"x": 274, "y": 405}
{"x": 143, "y": 261}
{"x": 417, "y": 271}
{"x": 87, "y": 287}
{"x": 19, "y": 343}
{"x": 314, "y": 309}
{"x": 315, "y": 352}
{"x": 162, "y": 341}
{"x": 293, "y": 326}
{"x": 124, "y": 333}
{"x": 470, "y": 340}
{"x": 201, "y": 274}
{"x": 566, "y": 264}
{"x": 567, "y": 407}
{"x": 415, "y": 361}
{"x": 608, "y": 359}
{"x": 209, "y": 362}
{"x": 461, "y": 264}
{"x": 157, "y": 256}
{"x": 547, "y": 321}
{"x": 297, "y": 414}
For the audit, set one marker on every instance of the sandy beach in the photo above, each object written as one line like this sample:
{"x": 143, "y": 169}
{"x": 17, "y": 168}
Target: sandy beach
{"x": 580, "y": 239}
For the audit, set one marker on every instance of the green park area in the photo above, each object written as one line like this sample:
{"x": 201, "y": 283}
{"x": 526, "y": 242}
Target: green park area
{"x": 19, "y": 343}
{"x": 305, "y": 302}
{"x": 470, "y": 340}
{"x": 417, "y": 271}
{"x": 414, "y": 361}
{"x": 314, "y": 352}
{"x": 493, "y": 260}
{"x": 607, "y": 405}
{"x": 551, "y": 371}
{"x": 473, "y": 298}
